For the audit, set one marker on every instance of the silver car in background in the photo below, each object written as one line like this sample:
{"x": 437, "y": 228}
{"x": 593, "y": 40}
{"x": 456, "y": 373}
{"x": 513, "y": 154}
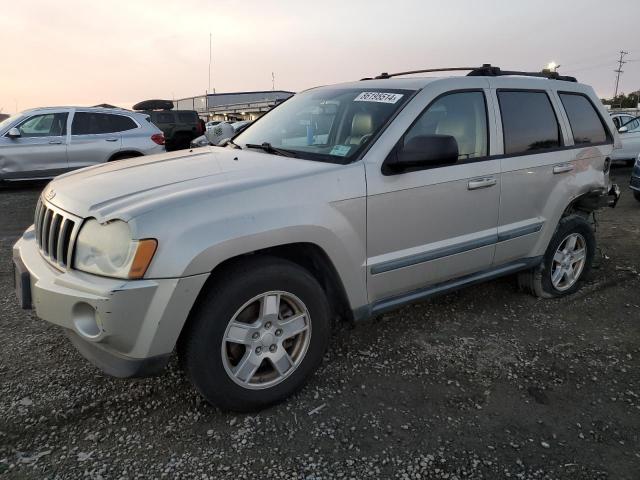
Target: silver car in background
{"x": 45, "y": 142}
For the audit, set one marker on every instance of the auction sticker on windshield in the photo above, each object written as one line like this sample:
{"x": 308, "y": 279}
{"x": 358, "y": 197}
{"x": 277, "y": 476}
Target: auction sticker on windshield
{"x": 380, "y": 97}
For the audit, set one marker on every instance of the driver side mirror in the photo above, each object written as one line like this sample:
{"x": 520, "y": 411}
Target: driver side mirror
{"x": 623, "y": 129}
{"x": 14, "y": 133}
{"x": 424, "y": 151}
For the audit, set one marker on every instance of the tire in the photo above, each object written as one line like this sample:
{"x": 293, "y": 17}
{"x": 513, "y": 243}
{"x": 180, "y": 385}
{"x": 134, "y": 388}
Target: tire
{"x": 629, "y": 163}
{"x": 210, "y": 359}
{"x": 636, "y": 195}
{"x": 539, "y": 281}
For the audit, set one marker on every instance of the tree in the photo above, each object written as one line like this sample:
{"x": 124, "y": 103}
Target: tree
{"x": 624, "y": 101}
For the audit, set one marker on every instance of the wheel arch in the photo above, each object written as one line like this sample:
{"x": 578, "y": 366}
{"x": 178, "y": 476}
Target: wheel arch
{"x": 122, "y": 154}
{"x": 307, "y": 255}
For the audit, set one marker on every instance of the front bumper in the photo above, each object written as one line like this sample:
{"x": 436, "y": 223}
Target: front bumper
{"x": 126, "y": 328}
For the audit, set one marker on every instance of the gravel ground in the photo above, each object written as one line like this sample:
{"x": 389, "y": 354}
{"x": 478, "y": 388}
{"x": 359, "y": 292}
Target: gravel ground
{"x": 487, "y": 382}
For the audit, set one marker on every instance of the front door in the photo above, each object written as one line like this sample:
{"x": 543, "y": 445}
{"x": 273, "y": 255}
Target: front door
{"x": 39, "y": 152}
{"x": 428, "y": 226}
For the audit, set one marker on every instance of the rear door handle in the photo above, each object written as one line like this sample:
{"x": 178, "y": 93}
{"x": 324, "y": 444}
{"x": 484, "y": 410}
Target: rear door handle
{"x": 563, "y": 168}
{"x": 55, "y": 142}
{"x": 478, "y": 183}
{"x": 111, "y": 139}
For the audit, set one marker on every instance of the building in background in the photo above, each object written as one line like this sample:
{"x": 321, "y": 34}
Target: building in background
{"x": 233, "y": 106}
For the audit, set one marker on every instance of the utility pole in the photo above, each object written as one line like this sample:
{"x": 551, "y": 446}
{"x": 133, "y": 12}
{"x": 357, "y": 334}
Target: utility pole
{"x": 619, "y": 70}
{"x": 210, "y": 41}
{"x": 273, "y": 81}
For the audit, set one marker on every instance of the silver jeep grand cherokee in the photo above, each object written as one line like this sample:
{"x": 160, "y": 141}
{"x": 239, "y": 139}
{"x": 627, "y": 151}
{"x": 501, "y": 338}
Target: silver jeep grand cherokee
{"x": 347, "y": 200}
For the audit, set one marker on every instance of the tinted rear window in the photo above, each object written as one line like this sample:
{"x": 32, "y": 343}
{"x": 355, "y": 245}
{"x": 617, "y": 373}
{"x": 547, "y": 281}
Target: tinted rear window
{"x": 528, "y": 122}
{"x": 120, "y": 123}
{"x": 164, "y": 118}
{"x": 90, "y": 123}
{"x": 186, "y": 117}
{"x": 583, "y": 118}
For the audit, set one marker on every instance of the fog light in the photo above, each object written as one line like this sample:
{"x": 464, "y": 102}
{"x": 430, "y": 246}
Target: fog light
{"x": 85, "y": 321}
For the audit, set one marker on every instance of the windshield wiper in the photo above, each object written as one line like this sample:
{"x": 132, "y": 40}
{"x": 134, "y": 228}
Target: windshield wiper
{"x": 267, "y": 147}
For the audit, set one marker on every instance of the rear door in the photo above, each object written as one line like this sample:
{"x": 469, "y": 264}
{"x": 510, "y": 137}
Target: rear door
{"x": 428, "y": 226}
{"x": 93, "y": 139}
{"x": 41, "y": 149}
{"x": 544, "y": 167}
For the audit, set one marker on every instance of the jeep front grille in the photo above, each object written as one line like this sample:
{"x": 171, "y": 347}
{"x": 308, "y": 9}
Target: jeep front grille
{"x": 55, "y": 234}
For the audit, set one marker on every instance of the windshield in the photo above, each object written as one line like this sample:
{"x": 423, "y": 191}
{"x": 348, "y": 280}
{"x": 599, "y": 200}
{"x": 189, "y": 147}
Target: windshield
{"x": 8, "y": 121}
{"x": 326, "y": 124}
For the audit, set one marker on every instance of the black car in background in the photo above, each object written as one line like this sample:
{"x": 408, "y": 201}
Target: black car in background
{"x": 179, "y": 126}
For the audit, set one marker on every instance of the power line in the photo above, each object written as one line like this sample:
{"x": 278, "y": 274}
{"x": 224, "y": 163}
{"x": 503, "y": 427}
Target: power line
{"x": 619, "y": 70}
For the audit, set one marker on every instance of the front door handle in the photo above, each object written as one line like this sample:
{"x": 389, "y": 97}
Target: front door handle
{"x": 563, "y": 168}
{"x": 55, "y": 142}
{"x": 485, "y": 182}
{"x": 111, "y": 139}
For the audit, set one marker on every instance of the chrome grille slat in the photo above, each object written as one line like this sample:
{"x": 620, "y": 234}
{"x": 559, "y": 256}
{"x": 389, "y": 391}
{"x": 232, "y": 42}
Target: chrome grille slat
{"x": 55, "y": 232}
{"x": 53, "y": 235}
{"x": 44, "y": 237}
{"x": 60, "y": 250}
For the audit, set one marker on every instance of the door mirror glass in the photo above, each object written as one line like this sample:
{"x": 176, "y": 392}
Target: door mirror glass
{"x": 623, "y": 130}
{"x": 14, "y": 133}
{"x": 427, "y": 151}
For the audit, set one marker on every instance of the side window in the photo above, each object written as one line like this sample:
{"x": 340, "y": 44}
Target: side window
{"x": 528, "y": 122}
{"x": 46, "y": 125}
{"x": 583, "y": 118}
{"x": 185, "y": 117}
{"x": 120, "y": 123}
{"x": 463, "y": 115}
{"x": 616, "y": 121}
{"x": 90, "y": 123}
{"x": 164, "y": 118}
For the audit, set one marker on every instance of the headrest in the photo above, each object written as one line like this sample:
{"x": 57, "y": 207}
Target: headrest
{"x": 362, "y": 124}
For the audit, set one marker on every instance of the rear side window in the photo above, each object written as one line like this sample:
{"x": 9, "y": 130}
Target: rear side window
{"x": 528, "y": 122}
{"x": 164, "y": 118}
{"x": 89, "y": 123}
{"x": 583, "y": 118}
{"x": 186, "y": 117}
{"x": 120, "y": 123}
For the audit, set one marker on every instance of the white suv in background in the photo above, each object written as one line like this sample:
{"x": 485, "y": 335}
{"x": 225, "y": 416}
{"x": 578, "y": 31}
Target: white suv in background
{"x": 46, "y": 142}
{"x": 346, "y": 200}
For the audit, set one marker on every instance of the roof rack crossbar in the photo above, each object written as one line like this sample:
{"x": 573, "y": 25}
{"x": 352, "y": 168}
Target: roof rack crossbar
{"x": 486, "y": 70}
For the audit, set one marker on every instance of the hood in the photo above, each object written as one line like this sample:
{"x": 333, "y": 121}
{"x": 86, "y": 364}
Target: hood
{"x": 127, "y": 188}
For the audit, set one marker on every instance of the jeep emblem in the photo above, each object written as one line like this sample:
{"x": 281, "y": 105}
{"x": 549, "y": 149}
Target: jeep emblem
{"x": 50, "y": 194}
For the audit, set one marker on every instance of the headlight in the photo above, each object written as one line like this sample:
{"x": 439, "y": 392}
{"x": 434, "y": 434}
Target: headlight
{"x": 108, "y": 249}
{"x": 638, "y": 161}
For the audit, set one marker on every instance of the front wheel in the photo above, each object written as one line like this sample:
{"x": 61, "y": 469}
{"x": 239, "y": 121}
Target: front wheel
{"x": 260, "y": 331}
{"x": 636, "y": 195}
{"x": 566, "y": 262}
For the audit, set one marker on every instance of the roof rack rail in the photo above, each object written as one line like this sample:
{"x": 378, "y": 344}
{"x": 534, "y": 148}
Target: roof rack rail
{"x": 428, "y": 70}
{"x": 486, "y": 70}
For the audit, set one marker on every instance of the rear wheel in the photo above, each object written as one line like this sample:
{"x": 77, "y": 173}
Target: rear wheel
{"x": 566, "y": 262}
{"x": 257, "y": 335}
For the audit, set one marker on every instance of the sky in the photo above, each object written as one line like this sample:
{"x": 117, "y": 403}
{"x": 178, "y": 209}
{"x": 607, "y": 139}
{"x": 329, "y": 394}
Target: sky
{"x": 85, "y": 52}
